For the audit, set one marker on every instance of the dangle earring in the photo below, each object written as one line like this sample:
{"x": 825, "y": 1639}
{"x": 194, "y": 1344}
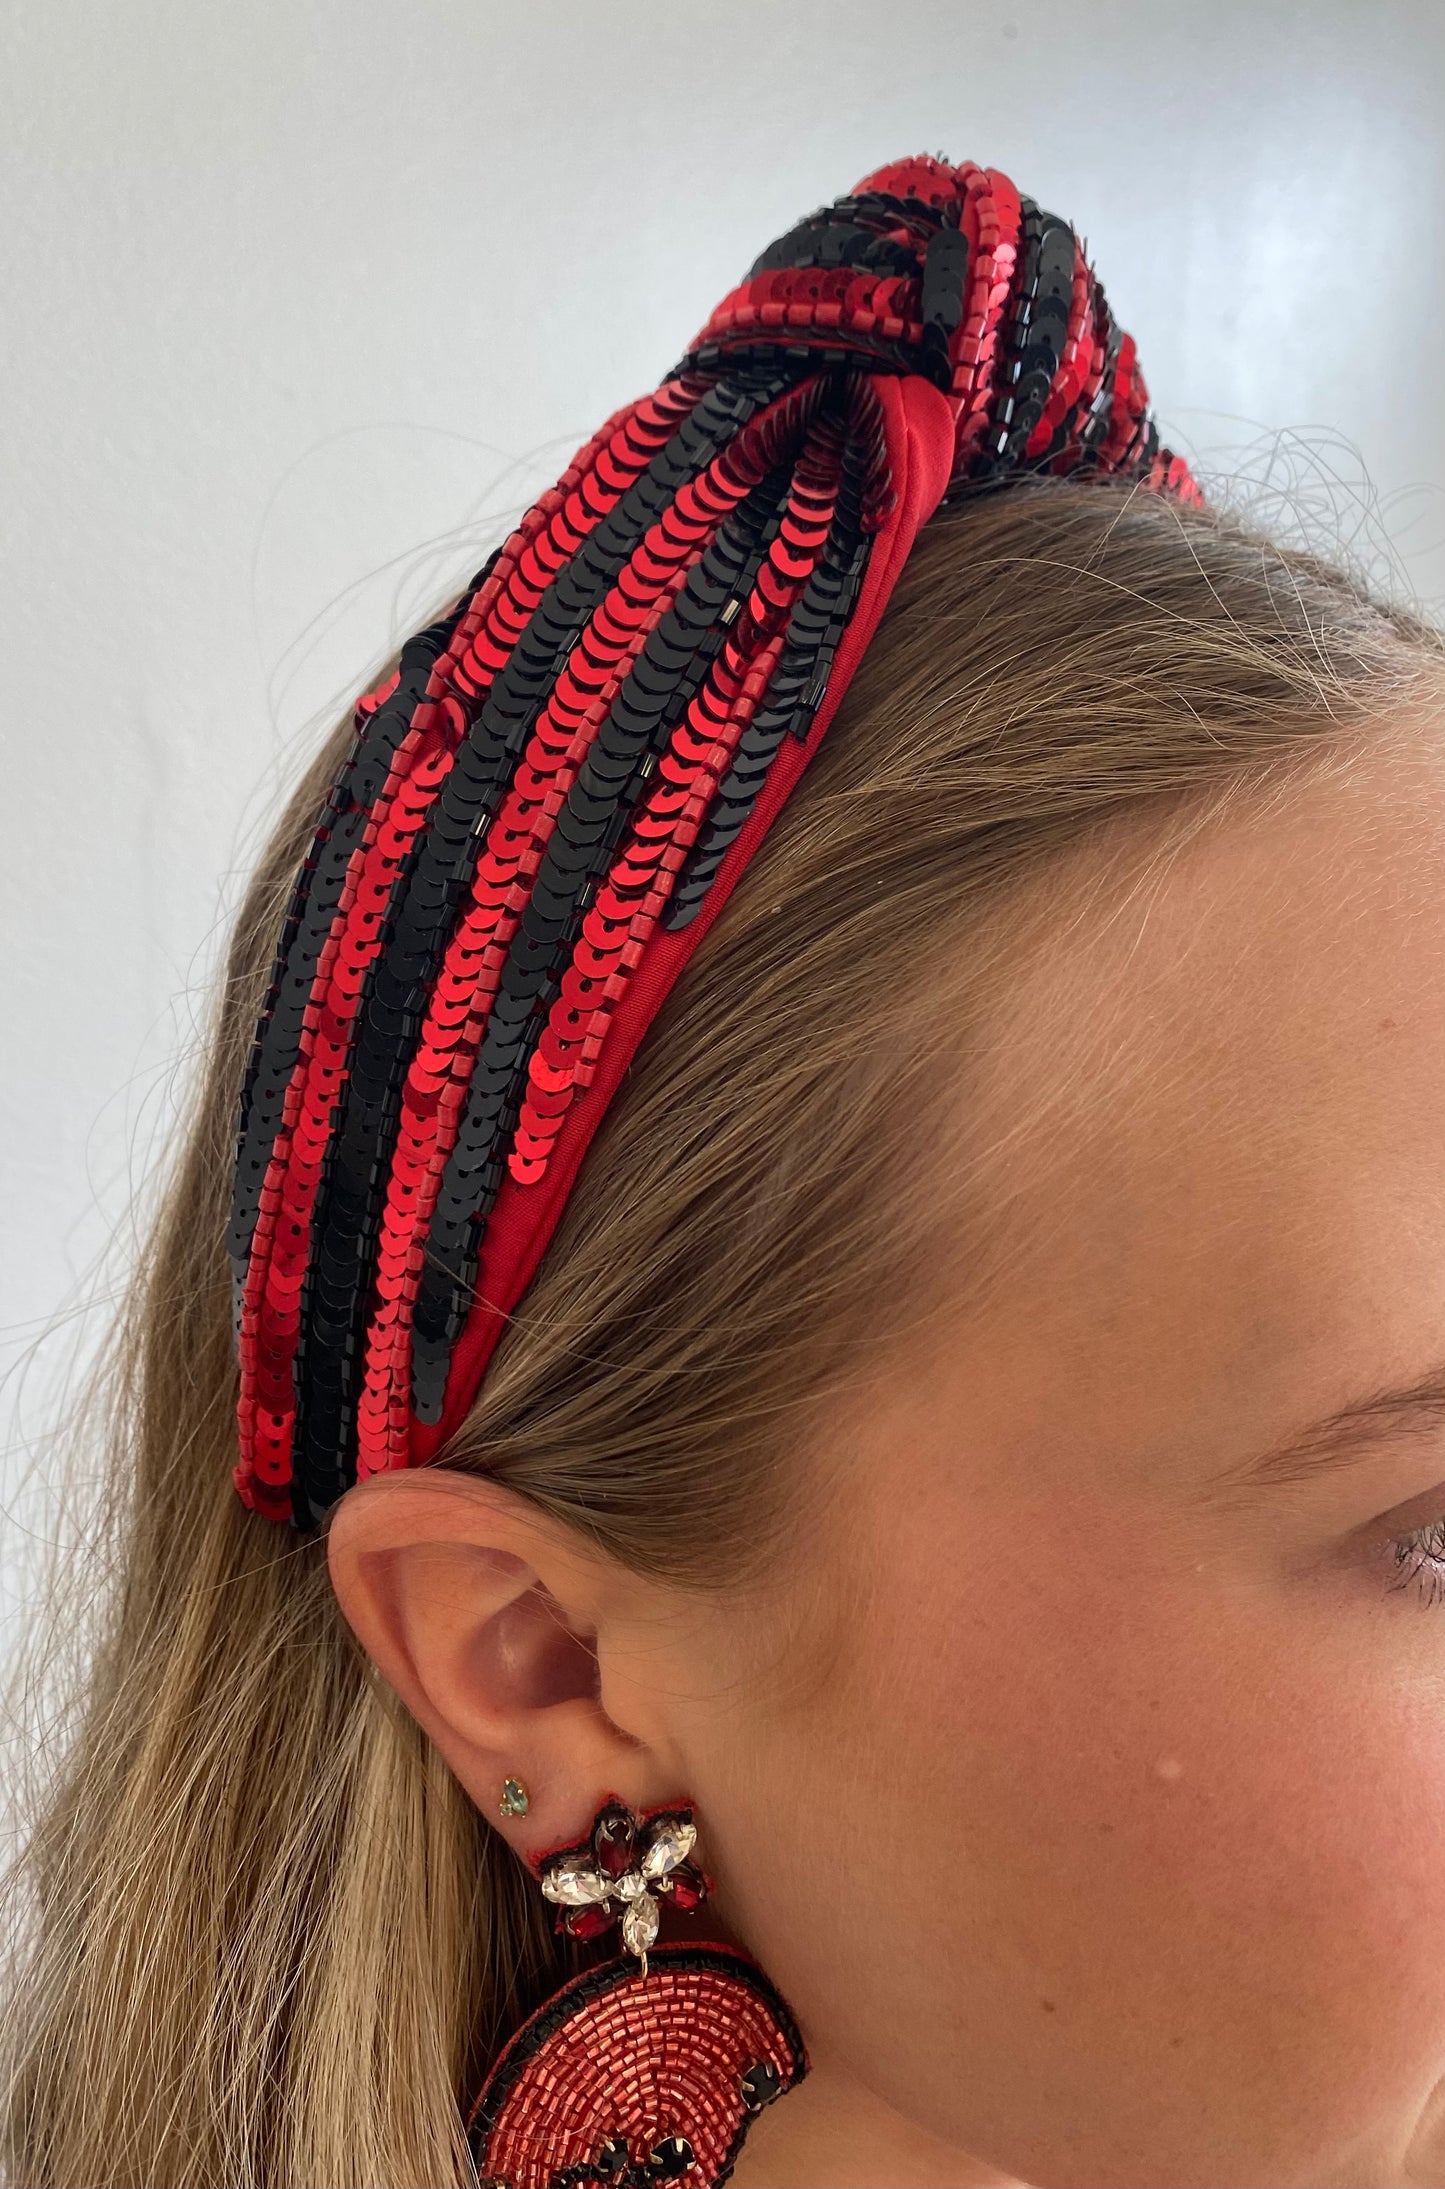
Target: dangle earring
{"x": 647, "y": 2068}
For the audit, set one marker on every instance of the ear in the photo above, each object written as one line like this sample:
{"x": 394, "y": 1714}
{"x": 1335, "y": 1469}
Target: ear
{"x": 488, "y": 1619}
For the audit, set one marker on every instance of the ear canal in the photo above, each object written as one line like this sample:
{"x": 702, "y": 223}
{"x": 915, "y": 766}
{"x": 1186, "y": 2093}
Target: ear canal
{"x": 528, "y": 1653}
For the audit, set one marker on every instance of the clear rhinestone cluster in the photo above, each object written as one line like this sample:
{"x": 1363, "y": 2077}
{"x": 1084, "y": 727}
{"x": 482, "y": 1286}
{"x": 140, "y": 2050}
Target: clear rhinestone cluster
{"x": 627, "y": 1869}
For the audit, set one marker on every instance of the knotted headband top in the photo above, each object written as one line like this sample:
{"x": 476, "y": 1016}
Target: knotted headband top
{"x": 549, "y": 802}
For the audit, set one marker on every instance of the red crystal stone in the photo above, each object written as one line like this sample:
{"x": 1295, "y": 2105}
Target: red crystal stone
{"x": 589, "y": 1922}
{"x": 612, "y": 1843}
{"x": 687, "y": 1887}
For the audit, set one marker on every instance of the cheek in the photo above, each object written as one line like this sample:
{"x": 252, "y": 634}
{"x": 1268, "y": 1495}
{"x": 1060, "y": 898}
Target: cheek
{"x": 1138, "y": 1850}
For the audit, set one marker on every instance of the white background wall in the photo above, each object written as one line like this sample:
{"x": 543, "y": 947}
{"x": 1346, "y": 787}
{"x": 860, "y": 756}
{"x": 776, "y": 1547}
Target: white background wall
{"x": 299, "y": 298}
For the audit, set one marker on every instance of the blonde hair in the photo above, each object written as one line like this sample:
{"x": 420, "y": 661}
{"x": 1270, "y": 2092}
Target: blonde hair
{"x": 269, "y": 1940}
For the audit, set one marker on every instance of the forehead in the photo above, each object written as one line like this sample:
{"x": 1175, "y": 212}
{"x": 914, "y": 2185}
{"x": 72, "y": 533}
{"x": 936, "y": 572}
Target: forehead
{"x": 1212, "y": 1108}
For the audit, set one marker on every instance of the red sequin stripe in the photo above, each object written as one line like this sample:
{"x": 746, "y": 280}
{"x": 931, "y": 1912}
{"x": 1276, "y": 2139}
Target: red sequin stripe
{"x": 1094, "y": 357}
{"x": 843, "y": 301}
{"x": 990, "y": 216}
{"x": 445, "y": 676}
{"x": 991, "y": 219}
{"x": 1170, "y": 474}
{"x": 648, "y": 423}
{"x": 621, "y": 456}
{"x": 933, "y": 182}
{"x": 270, "y": 1314}
{"x": 370, "y": 701}
{"x": 274, "y": 1498}
{"x": 616, "y": 926}
{"x": 545, "y": 539}
{"x": 271, "y": 1307}
{"x": 1129, "y": 411}
{"x": 839, "y": 299}
{"x": 434, "y": 1091}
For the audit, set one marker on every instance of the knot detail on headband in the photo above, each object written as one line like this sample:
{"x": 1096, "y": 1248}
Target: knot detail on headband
{"x": 948, "y": 272}
{"x": 543, "y": 809}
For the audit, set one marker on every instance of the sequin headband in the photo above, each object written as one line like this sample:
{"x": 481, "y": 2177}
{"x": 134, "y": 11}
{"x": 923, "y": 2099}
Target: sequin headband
{"x": 546, "y": 806}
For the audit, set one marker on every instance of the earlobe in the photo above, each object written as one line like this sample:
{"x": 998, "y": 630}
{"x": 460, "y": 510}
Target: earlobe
{"x": 489, "y": 1623}
{"x": 481, "y": 1616}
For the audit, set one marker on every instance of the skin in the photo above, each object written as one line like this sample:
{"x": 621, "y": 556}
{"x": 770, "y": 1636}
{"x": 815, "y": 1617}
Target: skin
{"x": 1093, "y": 1825}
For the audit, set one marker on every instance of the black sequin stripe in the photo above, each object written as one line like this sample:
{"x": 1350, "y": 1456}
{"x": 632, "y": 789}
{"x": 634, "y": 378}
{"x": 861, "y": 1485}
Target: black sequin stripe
{"x": 794, "y": 693}
{"x": 1086, "y": 428}
{"x": 726, "y": 353}
{"x": 315, "y": 901}
{"x": 691, "y": 632}
{"x": 860, "y": 223}
{"x": 425, "y": 896}
{"x": 945, "y": 272}
{"x": 886, "y": 205}
{"x": 849, "y": 232}
{"x": 822, "y": 244}
{"x": 1066, "y": 433}
{"x": 1034, "y": 343}
{"x": 315, "y": 897}
{"x": 652, "y": 701}
{"x": 1091, "y": 434}
{"x": 826, "y": 241}
{"x": 885, "y": 209}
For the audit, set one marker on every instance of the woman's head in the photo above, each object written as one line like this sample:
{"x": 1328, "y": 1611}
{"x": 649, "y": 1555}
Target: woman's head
{"x": 901, "y": 1381}
{"x": 1048, "y": 1127}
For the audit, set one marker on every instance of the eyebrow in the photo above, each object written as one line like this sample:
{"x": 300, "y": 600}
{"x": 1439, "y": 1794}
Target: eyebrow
{"x": 1352, "y": 1433}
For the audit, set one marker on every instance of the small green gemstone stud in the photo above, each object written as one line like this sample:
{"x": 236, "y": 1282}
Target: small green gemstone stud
{"x": 516, "y": 1801}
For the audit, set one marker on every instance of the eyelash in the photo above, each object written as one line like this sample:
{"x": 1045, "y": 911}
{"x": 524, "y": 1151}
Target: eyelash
{"x": 1422, "y": 1555}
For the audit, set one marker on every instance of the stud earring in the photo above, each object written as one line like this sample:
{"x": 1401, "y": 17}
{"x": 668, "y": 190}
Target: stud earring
{"x": 647, "y": 2068}
{"x": 516, "y": 1801}
{"x": 625, "y": 1869}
